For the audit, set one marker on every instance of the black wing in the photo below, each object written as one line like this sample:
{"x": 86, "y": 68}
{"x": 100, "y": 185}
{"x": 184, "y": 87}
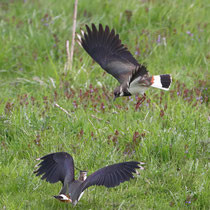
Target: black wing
{"x": 112, "y": 175}
{"x": 56, "y": 167}
{"x": 105, "y": 47}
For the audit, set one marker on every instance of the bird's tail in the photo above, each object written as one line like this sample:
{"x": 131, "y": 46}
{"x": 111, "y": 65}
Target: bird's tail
{"x": 161, "y": 81}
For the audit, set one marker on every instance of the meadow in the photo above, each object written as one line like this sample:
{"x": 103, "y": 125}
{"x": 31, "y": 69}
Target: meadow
{"x": 169, "y": 131}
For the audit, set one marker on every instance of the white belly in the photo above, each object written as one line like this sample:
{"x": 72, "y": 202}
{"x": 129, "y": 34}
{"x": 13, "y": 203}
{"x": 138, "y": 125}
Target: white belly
{"x": 135, "y": 90}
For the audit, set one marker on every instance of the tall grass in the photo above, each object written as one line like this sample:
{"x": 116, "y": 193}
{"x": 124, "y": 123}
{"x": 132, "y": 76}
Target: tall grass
{"x": 169, "y": 131}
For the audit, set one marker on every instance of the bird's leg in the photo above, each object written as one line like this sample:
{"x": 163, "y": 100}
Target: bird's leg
{"x": 140, "y": 101}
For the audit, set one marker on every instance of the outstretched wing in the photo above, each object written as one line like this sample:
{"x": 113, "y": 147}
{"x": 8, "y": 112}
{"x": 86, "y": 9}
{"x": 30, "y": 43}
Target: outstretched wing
{"x": 112, "y": 175}
{"x": 105, "y": 47}
{"x": 56, "y": 167}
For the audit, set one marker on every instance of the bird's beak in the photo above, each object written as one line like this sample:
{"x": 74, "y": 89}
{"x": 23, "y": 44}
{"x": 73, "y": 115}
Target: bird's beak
{"x": 115, "y": 98}
{"x": 63, "y": 198}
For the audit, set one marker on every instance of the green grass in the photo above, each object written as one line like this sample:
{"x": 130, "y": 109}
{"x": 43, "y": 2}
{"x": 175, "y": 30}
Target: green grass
{"x": 170, "y": 131}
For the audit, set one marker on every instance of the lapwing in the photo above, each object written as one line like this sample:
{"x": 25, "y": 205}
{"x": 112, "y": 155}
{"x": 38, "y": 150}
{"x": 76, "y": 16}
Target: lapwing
{"x": 59, "y": 166}
{"x": 105, "y": 47}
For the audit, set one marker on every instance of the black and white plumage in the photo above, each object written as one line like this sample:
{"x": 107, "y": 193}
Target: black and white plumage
{"x": 105, "y": 47}
{"x": 59, "y": 166}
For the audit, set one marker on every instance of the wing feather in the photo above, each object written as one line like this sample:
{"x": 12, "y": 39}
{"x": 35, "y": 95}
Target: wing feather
{"x": 112, "y": 175}
{"x": 56, "y": 167}
{"x": 105, "y": 47}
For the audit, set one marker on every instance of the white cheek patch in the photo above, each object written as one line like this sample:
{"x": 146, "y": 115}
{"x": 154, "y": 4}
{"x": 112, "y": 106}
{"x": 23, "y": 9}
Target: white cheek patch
{"x": 65, "y": 198}
{"x": 121, "y": 91}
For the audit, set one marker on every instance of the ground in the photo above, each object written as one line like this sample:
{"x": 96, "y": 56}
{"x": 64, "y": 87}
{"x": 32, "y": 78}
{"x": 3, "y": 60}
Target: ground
{"x": 169, "y": 131}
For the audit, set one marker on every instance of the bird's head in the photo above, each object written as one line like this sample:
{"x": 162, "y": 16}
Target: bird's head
{"x": 118, "y": 92}
{"x": 121, "y": 91}
{"x": 82, "y": 176}
{"x": 63, "y": 198}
